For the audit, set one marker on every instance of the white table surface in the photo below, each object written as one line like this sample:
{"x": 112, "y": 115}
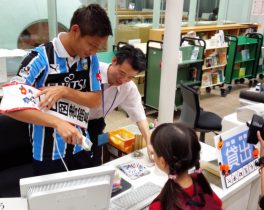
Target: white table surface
{"x": 230, "y": 121}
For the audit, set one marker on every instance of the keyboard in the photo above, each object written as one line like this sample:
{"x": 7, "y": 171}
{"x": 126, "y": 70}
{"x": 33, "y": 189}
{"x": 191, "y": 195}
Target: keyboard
{"x": 136, "y": 198}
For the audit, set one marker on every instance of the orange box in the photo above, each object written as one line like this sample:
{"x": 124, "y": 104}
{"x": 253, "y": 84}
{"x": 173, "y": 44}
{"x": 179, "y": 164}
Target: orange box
{"x": 122, "y": 139}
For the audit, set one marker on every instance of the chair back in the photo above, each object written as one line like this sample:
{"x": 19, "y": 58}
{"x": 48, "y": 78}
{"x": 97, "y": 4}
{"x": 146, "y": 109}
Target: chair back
{"x": 190, "y": 111}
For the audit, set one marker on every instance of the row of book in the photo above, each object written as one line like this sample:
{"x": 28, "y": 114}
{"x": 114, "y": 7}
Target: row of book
{"x": 212, "y": 78}
{"x": 215, "y": 59}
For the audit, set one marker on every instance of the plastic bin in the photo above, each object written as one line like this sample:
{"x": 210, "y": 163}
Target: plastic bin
{"x": 122, "y": 139}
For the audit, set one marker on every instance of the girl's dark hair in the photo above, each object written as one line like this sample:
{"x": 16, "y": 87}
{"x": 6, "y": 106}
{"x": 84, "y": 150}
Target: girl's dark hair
{"x": 134, "y": 56}
{"x": 92, "y": 20}
{"x": 178, "y": 144}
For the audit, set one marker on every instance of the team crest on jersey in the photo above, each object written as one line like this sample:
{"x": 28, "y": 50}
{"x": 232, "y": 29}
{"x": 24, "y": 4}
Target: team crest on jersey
{"x": 24, "y": 72}
{"x": 84, "y": 64}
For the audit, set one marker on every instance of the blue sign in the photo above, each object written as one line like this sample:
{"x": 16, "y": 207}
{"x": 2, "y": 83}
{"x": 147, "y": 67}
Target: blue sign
{"x": 236, "y": 152}
{"x": 236, "y": 157}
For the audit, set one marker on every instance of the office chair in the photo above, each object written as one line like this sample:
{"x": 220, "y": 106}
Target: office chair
{"x": 194, "y": 116}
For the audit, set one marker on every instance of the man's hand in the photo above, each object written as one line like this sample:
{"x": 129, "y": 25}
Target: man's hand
{"x": 150, "y": 152}
{"x": 52, "y": 95}
{"x": 69, "y": 133}
{"x": 261, "y": 142}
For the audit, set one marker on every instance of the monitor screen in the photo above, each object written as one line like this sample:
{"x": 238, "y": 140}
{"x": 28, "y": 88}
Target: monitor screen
{"x": 80, "y": 189}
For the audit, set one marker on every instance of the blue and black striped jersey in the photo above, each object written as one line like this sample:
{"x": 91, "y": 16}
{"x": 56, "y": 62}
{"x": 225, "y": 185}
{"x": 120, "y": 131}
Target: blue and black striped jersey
{"x": 44, "y": 66}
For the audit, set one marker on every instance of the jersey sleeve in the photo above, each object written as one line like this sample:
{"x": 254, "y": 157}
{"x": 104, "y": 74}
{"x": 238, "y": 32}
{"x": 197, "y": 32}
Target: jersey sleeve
{"x": 32, "y": 68}
{"x": 95, "y": 76}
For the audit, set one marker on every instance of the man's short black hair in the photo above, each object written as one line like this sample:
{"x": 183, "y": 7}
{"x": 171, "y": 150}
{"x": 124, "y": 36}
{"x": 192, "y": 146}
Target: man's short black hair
{"x": 134, "y": 56}
{"x": 92, "y": 20}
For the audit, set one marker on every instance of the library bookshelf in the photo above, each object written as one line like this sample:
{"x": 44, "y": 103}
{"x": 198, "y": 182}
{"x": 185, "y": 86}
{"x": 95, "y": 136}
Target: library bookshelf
{"x": 242, "y": 55}
{"x": 189, "y": 71}
{"x": 215, "y": 60}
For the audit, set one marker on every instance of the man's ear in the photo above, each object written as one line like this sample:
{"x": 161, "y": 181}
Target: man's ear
{"x": 114, "y": 60}
{"x": 75, "y": 28}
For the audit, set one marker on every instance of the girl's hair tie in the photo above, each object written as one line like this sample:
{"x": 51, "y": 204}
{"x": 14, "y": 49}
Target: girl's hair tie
{"x": 173, "y": 177}
{"x": 199, "y": 170}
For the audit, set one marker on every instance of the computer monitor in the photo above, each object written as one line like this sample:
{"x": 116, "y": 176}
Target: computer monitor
{"x": 80, "y": 189}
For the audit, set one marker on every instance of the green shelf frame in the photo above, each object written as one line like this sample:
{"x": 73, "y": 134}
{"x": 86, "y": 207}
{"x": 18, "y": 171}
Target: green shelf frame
{"x": 185, "y": 70}
{"x": 236, "y": 45}
{"x": 258, "y": 68}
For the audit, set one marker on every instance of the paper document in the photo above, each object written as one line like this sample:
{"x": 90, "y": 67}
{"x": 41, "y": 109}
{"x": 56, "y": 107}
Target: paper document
{"x": 13, "y": 203}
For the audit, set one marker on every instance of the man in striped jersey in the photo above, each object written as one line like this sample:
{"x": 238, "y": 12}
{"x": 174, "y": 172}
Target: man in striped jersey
{"x": 68, "y": 61}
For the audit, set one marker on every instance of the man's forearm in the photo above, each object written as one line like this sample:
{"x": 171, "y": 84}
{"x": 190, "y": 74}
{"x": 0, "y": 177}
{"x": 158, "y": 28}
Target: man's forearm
{"x": 69, "y": 133}
{"x": 35, "y": 117}
{"x": 89, "y": 99}
{"x": 144, "y": 129}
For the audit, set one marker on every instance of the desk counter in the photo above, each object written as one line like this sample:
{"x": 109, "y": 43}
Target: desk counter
{"x": 241, "y": 196}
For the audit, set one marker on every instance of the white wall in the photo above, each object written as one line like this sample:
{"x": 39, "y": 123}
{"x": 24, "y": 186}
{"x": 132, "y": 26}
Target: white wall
{"x": 239, "y": 11}
{"x": 16, "y": 15}
{"x": 258, "y": 19}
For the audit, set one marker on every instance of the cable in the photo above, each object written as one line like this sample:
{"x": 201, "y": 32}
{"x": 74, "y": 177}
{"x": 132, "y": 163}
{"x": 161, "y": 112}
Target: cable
{"x": 57, "y": 147}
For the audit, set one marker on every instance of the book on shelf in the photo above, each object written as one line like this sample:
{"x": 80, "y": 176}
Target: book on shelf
{"x": 242, "y": 72}
{"x": 215, "y": 60}
{"x": 221, "y": 76}
{"x": 237, "y": 66}
{"x": 193, "y": 74}
{"x": 245, "y": 54}
{"x": 195, "y": 53}
{"x": 206, "y": 79}
{"x": 180, "y": 56}
{"x": 208, "y": 61}
{"x": 212, "y": 60}
{"x": 222, "y": 58}
{"x": 214, "y": 77}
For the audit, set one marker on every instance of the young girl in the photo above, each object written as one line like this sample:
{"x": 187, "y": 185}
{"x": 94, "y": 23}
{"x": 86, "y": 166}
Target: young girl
{"x": 177, "y": 149}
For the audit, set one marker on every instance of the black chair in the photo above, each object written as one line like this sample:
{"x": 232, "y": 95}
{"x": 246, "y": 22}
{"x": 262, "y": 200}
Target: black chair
{"x": 194, "y": 116}
{"x": 15, "y": 155}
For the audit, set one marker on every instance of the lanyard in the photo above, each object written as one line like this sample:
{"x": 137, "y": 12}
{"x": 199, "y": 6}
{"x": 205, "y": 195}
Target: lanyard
{"x": 103, "y": 101}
